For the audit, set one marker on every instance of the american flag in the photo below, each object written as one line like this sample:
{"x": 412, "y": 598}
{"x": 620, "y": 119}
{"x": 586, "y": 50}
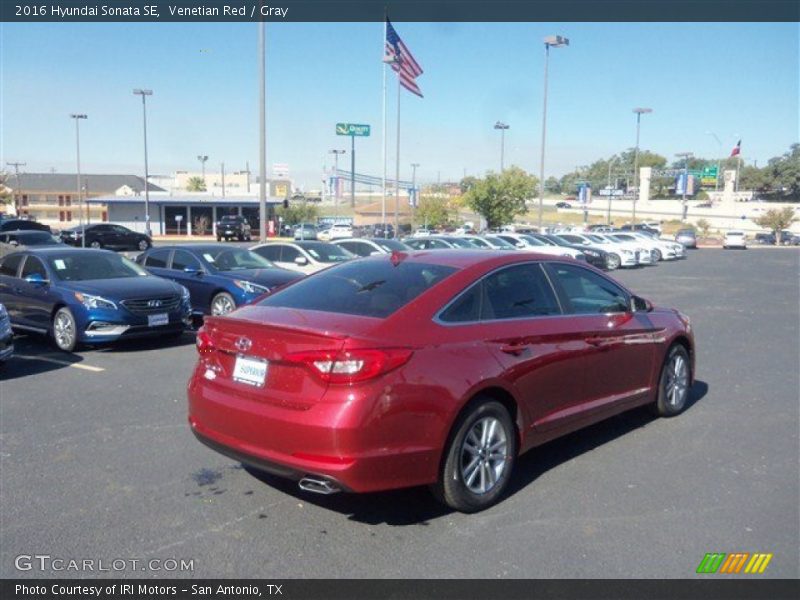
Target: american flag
{"x": 737, "y": 148}
{"x": 402, "y": 61}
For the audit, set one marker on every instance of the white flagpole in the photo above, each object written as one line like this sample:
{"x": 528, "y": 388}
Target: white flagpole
{"x": 385, "y": 137}
{"x": 397, "y": 166}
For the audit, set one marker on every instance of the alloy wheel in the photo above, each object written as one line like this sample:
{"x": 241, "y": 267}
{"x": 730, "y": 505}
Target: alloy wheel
{"x": 484, "y": 454}
{"x": 222, "y": 305}
{"x": 676, "y": 385}
{"x": 64, "y": 330}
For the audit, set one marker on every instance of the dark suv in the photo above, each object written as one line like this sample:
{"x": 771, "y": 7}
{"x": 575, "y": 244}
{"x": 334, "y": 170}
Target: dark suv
{"x": 233, "y": 226}
{"x": 106, "y": 235}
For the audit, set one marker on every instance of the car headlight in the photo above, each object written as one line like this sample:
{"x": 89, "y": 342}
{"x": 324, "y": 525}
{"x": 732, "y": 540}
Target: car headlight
{"x": 90, "y": 301}
{"x": 250, "y": 288}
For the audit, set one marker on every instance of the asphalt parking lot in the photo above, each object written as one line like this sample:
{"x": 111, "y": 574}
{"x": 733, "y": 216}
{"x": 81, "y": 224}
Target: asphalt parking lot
{"x": 97, "y": 462}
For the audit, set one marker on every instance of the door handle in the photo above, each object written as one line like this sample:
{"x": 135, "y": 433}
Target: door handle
{"x": 595, "y": 341}
{"x": 514, "y": 349}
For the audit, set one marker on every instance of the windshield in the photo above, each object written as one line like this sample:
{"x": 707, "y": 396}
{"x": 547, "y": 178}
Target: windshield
{"x": 368, "y": 289}
{"x": 624, "y": 237}
{"x": 327, "y": 253}
{"x": 596, "y": 238}
{"x": 460, "y": 243}
{"x": 532, "y": 241}
{"x": 234, "y": 259}
{"x": 83, "y": 266}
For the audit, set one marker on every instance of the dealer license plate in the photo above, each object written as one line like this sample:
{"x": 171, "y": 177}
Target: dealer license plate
{"x": 158, "y": 319}
{"x": 251, "y": 371}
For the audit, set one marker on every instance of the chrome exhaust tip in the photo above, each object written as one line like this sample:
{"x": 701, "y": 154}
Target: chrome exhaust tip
{"x": 318, "y": 485}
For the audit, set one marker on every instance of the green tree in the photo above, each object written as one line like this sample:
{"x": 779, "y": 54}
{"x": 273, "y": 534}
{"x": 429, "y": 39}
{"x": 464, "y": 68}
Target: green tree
{"x": 704, "y": 226}
{"x": 434, "y": 211}
{"x": 499, "y": 198}
{"x": 776, "y": 220}
{"x": 785, "y": 173}
{"x": 552, "y": 185}
{"x": 467, "y": 183}
{"x": 302, "y": 212}
{"x": 5, "y": 193}
{"x": 196, "y": 184}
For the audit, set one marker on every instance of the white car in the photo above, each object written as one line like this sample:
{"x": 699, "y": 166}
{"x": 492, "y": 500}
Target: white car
{"x": 627, "y": 253}
{"x": 660, "y": 250}
{"x": 735, "y": 239}
{"x": 668, "y": 249}
{"x": 422, "y": 232}
{"x": 365, "y": 247}
{"x": 643, "y": 254}
{"x": 305, "y": 256}
{"x": 488, "y": 242}
{"x": 531, "y": 244}
{"x": 335, "y": 232}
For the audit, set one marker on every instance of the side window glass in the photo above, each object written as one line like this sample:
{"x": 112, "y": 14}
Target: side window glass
{"x": 289, "y": 254}
{"x": 183, "y": 259}
{"x": 587, "y": 292}
{"x": 157, "y": 258}
{"x": 518, "y": 291}
{"x": 466, "y": 308}
{"x": 10, "y": 265}
{"x": 33, "y": 266}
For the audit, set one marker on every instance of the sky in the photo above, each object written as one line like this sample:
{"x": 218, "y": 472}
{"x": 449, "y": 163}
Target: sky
{"x": 738, "y": 80}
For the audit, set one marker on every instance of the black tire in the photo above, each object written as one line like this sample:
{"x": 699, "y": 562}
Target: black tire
{"x": 219, "y": 238}
{"x": 240, "y": 237}
{"x": 143, "y": 245}
{"x": 64, "y": 330}
{"x": 666, "y": 405}
{"x": 96, "y": 244}
{"x": 613, "y": 261}
{"x": 451, "y": 488}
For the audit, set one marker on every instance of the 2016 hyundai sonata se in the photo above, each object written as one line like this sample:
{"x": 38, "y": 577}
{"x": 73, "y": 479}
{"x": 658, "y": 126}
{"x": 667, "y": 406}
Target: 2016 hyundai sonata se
{"x": 436, "y": 368}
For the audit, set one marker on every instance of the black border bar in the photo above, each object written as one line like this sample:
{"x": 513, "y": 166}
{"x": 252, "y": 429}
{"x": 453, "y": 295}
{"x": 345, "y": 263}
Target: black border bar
{"x": 403, "y": 10}
{"x": 702, "y": 588}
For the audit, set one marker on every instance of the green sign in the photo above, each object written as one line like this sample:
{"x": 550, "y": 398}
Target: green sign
{"x": 709, "y": 171}
{"x": 355, "y": 129}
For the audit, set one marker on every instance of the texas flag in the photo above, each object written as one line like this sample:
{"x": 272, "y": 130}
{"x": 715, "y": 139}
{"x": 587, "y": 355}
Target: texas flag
{"x": 737, "y": 148}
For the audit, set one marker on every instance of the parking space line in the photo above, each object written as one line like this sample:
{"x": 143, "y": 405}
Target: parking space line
{"x": 64, "y": 363}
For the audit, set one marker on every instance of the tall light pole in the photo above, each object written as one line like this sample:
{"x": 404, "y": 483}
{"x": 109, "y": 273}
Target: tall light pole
{"x": 719, "y": 158}
{"x": 413, "y": 188}
{"x": 502, "y": 127}
{"x": 144, "y": 94}
{"x": 203, "y": 158}
{"x": 262, "y": 131}
{"x": 555, "y": 41}
{"x": 610, "y": 189}
{"x": 78, "y": 118}
{"x": 685, "y": 156}
{"x": 336, "y": 154}
{"x": 639, "y": 112}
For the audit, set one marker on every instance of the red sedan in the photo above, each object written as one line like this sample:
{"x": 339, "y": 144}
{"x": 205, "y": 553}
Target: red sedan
{"x": 431, "y": 368}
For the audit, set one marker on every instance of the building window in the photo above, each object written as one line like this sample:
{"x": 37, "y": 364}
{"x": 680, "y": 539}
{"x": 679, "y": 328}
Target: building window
{"x": 69, "y": 215}
{"x": 61, "y": 216}
{"x": 105, "y": 216}
{"x": 25, "y": 200}
{"x": 68, "y": 200}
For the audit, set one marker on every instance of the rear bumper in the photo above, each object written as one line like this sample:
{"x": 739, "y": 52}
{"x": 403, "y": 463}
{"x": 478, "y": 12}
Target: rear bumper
{"x": 363, "y": 444}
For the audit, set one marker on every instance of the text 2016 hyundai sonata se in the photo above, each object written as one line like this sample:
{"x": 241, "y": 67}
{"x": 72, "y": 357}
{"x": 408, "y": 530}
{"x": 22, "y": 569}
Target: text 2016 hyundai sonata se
{"x": 435, "y": 368}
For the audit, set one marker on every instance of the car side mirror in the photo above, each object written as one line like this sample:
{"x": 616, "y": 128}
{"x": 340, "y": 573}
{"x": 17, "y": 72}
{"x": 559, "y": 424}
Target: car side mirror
{"x": 639, "y": 304}
{"x": 37, "y": 279}
{"x": 301, "y": 261}
{"x": 193, "y": 271}
{"x": 13, "y": 243}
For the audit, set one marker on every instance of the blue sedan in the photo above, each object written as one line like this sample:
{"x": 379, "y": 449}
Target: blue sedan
{"x": 89, "y": 296}
{"x": 218, "y": 277}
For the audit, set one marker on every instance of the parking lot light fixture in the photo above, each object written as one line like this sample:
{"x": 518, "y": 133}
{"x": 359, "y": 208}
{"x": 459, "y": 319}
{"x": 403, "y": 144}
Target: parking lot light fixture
{"x": 555, "y": 41}
{"x": 685, "y": 156}
{"x": 78, "y": 118}
{"x": 203, "y": 158}
{"x": 502, "y": 127}
{"x": 144, "y": 94}
{"x": 639, "y": 112}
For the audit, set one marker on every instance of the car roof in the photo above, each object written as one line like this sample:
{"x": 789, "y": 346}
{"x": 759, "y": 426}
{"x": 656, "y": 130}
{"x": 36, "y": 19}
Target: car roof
{"x": 62, "y": 249}
{"x": 463, "y": 258}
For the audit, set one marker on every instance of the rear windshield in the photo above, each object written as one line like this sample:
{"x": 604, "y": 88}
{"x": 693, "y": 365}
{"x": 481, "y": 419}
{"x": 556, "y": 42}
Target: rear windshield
{"x": 373, "y": 288}
{"x": 326, "y": 253}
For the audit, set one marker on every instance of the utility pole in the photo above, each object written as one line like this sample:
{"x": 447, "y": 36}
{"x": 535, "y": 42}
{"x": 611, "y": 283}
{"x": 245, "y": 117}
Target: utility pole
{"x": 262, "y": 132}
{"x": 78, "y": 118}
{"x": 413, "y": 189}
{"x": 502, "y": 127}
{"x": 222, "y": 169}
{"x": 18, "y": 191}
{"x": 144, "y": 94}
{"x": 639, "y": 112}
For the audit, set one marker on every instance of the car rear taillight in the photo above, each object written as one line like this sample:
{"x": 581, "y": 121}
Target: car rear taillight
{"x": 203, "y": 342}
{"x": 351, "y": 366}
